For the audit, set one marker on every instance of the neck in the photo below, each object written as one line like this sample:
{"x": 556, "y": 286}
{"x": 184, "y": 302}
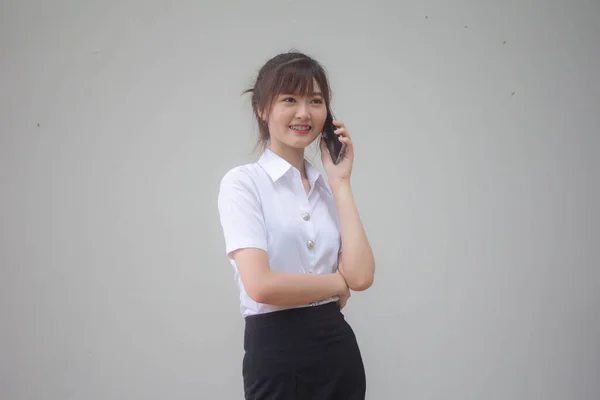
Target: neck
{"x": 294, "y": 156}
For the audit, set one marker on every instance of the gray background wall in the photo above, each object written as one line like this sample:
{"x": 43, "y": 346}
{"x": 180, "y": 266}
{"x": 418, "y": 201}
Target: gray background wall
{"x": 477, "y": 132}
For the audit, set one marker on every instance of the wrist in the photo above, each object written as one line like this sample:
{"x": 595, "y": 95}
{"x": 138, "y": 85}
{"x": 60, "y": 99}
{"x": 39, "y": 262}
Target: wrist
{"x": 340, "y": 184}
{"x": 341, "y": 285}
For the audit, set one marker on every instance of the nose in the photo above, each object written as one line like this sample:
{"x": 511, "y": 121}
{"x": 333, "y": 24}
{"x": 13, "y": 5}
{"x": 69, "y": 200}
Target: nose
{"x": 302, "y": 112}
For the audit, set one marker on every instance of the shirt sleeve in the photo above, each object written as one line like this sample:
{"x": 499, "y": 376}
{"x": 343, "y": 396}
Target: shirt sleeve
{"x": 240, "y": 212}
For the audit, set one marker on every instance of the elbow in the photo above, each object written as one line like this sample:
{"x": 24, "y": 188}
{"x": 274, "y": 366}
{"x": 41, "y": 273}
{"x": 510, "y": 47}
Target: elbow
{"x": 258, "y": 294}
{"x": 255, "y": 296}
{"x": 360, "y": 277}
{"x": 360, "y": 284}
{"x": 260, "y": 290}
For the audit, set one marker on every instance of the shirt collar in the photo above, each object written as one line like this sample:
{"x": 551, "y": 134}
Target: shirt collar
{"x": 276, "y": 167}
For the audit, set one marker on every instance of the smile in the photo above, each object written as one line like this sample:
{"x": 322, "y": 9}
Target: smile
{"x": 300, "y": 128}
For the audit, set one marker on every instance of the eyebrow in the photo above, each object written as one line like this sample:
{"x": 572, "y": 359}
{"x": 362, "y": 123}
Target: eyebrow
{"x": 307, "y": 94}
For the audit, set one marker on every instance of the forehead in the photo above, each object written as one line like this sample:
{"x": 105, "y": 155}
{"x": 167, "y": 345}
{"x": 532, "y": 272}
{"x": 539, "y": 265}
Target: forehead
{"x": 298, "y": 78}
{"x": 302, "y": 88}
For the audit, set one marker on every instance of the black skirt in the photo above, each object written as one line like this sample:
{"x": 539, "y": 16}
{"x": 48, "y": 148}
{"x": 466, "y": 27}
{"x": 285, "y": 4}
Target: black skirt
{"x": 306, "y": 353}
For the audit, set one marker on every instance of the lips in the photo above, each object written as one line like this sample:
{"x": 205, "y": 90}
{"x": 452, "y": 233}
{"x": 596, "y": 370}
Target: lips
{"x": 300, "y": 129}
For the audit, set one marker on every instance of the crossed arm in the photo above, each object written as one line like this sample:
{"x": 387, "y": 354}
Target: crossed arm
{"x": 356, "y": 265}
{"x": 284, "y": 289}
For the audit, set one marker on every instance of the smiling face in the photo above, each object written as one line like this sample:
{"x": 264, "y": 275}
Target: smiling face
{"x": 296, "y": 120}
{"x": 289, "y": 99}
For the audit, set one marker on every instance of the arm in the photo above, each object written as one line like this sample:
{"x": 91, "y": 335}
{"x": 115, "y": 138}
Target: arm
{"x": 245, "y": 235}
{"x": 283, "y": 289}
{"x": 343, "y": 299}
{"x": 357, "y": 261}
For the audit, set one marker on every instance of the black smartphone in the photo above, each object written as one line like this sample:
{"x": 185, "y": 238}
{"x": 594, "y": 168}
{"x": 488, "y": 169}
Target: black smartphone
{"x": 334, "y": 146}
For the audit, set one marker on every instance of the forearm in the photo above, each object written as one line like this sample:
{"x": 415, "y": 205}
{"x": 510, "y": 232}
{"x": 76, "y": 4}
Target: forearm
{"x": 288, "y": 289}
{"x": 358, "y": 264}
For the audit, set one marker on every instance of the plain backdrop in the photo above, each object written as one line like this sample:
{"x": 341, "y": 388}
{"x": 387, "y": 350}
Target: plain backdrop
{"x": 477, "y": 175}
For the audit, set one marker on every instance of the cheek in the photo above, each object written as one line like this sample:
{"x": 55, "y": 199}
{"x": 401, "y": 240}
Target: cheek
{"x": 278, "y": 123}
{"x": 283, "y": 117}
{"x": 319, "y": 119}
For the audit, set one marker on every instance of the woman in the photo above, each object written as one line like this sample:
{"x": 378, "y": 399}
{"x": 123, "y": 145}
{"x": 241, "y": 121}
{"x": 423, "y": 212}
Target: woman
{"x": 285, "y": 226}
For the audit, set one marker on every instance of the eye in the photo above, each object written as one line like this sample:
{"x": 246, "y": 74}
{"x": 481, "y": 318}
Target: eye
{"x": 318, "y": 101}
{"x": 288, "y": 99}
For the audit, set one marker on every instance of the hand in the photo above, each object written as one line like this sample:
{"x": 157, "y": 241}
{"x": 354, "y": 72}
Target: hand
{"x": 344, "y": 292}
{"x": 342, "y": 285}
{"x": 341, "y": 172}
{"x": 343, "y": 299}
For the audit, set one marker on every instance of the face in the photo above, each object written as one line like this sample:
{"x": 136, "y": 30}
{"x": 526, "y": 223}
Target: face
{"x": 296, "y": 121}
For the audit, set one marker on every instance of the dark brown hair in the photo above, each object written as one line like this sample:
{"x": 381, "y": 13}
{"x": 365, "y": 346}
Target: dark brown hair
{"x": 291, "y": 72}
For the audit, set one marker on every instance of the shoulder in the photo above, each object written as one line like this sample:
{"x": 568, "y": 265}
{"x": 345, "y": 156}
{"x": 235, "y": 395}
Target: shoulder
{"x": 237, "y": 174}
{"x": 240, "y": 180}
{"x": 244, "y": 175}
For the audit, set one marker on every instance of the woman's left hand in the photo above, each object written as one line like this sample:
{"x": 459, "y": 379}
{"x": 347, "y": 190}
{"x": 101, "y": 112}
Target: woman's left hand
{"x": 343, "y": 300}
{"x": 342, "y": 171}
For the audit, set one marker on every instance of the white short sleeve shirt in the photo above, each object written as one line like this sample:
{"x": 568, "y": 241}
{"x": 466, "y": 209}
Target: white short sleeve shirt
{"x": 264, "y": 205}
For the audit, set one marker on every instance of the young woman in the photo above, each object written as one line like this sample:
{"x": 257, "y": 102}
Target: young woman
{"x": 296, "y": 243}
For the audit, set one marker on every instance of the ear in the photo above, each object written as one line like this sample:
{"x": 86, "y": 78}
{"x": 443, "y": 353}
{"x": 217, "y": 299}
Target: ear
{"x": 261, "y": 115}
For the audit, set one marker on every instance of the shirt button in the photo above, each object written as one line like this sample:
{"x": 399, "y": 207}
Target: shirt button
{"x": 306, "y": 216}
{"x": 310, "y": 244}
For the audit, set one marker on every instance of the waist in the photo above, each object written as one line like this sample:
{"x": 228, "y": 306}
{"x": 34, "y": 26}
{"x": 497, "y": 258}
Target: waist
{"x": 249, "y": 307}
{"x": 278, "y": 330}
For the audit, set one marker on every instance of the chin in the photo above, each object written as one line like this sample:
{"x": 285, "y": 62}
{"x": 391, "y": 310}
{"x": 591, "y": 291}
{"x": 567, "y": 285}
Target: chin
{"x": 303, "y": 142}
{"x": 295, "y": 141}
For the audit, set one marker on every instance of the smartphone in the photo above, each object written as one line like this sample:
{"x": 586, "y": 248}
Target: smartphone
{"x": 334, "y": 146}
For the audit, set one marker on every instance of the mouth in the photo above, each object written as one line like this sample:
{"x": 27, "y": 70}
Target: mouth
{"x": 301, "y": 129}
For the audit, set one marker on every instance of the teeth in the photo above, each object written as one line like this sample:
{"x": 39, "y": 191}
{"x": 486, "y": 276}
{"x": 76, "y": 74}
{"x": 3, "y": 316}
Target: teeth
{"x": 300, "y": 128}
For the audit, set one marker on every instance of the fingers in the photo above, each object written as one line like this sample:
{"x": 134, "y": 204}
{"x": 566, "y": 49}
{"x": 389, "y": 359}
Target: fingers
{"x": 338, "y": 123}
{"x": 343, "y": 133}
{"x": 344, "y": 139}
{"x": 343, "y": 300}
{"x": 344, "y": 136}
{"x": 341, "y": 128}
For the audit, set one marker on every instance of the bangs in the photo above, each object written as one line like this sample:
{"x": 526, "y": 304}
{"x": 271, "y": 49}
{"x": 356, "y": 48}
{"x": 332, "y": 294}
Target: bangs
{"x": 297, "y": 77}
